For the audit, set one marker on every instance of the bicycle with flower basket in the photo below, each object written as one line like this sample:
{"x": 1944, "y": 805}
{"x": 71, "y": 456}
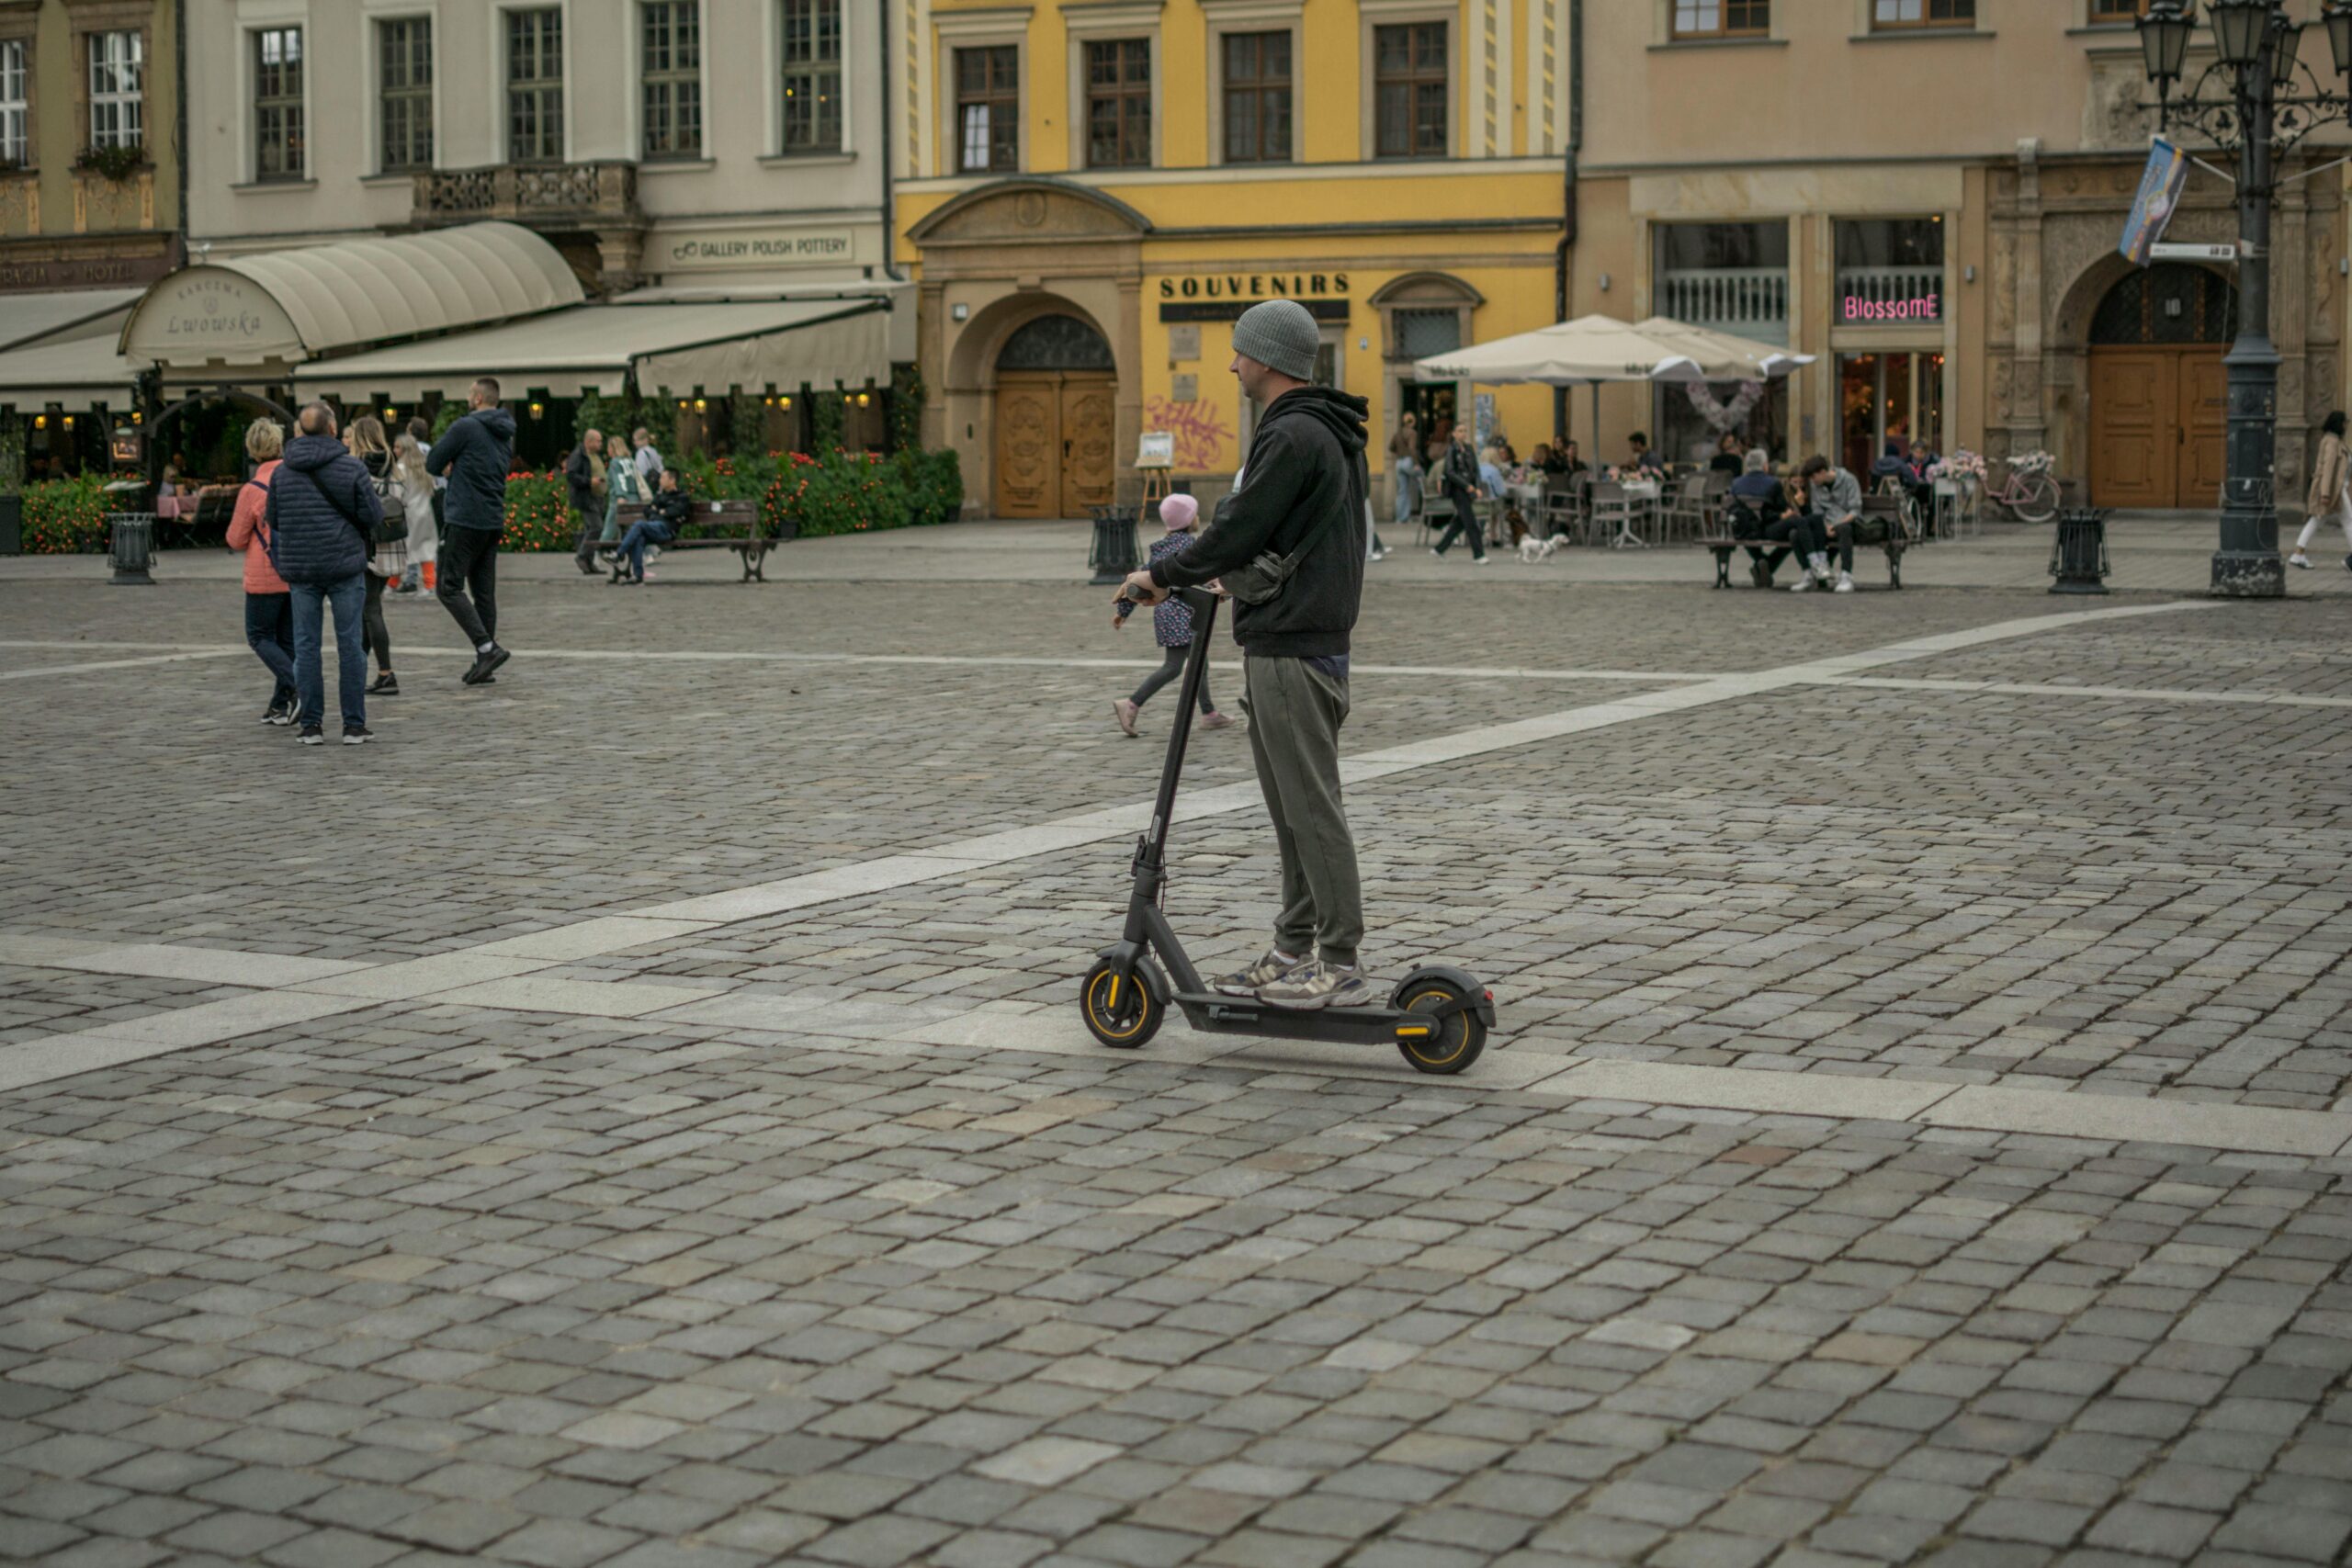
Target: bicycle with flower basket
{"x": 2029, "y": 492}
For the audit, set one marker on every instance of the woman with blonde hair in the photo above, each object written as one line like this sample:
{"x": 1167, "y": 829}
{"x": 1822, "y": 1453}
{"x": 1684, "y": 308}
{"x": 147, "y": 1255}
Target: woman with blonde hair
{"x": 269, "y": 606}
{"x": 389, "y": 561}
{"x": 415, "y": 486}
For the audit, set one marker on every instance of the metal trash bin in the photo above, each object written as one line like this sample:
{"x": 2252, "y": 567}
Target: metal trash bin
{"x": 2078, "y": 552}
{"x": 134, "y": 547}
{"x": 1115, "y": 552}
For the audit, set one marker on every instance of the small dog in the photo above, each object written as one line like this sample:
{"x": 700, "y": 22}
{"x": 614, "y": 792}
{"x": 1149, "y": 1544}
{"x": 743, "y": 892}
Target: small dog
{"x": 1533, "y": 550}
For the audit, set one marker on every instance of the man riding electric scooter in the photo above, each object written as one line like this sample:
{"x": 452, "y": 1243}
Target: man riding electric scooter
{"x": 1294, "y": 526}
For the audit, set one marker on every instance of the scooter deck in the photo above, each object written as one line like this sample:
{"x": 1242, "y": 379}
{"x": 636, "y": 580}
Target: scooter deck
{"x": 1213, "y": 1012}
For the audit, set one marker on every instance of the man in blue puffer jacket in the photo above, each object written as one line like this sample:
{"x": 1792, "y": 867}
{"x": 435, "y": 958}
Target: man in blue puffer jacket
{"x": 322, "y": 519}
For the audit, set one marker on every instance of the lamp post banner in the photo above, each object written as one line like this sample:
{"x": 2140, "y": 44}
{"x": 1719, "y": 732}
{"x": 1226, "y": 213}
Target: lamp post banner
{"x": 2160, "y": 187}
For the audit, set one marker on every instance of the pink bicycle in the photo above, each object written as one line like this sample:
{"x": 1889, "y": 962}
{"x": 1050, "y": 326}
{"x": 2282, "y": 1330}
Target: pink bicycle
{"x": 2029, "y": 491}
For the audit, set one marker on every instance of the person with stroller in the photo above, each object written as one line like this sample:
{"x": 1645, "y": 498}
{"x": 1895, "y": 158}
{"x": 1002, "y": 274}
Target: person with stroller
{"x": 1171, "y": 623}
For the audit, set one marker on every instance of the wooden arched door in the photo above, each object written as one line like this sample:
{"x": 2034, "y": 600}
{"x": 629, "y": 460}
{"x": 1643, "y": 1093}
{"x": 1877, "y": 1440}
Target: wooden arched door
{"x": 1056, "y": 414}
{"x": 2159, "y": 393}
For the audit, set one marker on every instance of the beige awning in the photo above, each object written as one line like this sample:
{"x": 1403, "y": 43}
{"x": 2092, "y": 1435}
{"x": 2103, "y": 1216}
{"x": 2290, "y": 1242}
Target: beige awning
{"x": 668, "y": 347}
{"x": 28, "y": 318}
{"x": 280, "y": 308}
{"x": 75, "y": 372}
{"x": 63, "y": 349}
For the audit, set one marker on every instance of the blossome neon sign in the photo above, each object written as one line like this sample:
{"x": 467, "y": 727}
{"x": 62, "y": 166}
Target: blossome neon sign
{"x": 1919, "y": 307}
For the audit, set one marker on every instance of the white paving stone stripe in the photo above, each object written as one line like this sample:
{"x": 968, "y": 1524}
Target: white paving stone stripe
{"x": 116, "y": 663}
{"x": 2124, "y": 694}
{"x": 779, "y": 656}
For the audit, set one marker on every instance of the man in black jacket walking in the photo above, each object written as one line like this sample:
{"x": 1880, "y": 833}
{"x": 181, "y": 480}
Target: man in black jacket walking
{"x": 476, "y": 454}
{"x": 1303, "y": 493}
{"x": 322, "y": 517}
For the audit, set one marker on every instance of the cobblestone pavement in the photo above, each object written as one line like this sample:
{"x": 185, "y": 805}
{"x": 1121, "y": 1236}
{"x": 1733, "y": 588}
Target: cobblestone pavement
{"x": 635, "y": 1115}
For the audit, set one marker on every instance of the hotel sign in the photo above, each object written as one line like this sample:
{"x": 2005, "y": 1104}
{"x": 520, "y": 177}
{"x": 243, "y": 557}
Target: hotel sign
{"x": 743, "y": 249}
{"x": 1223, "y": 296}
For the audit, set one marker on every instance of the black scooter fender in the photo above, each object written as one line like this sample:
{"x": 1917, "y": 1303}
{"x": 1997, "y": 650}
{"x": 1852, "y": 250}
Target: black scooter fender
{"x": 1129, "y": 956}
{"x": 1482, "y": 1001}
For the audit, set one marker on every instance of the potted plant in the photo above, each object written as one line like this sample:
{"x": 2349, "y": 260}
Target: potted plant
{"x": 11, "y": 485}
{"x": 116, "y": 163}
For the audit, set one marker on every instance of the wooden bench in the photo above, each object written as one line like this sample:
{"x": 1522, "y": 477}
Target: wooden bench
{"x": 1881, "y": 524}
{"x": 717, "y": 525}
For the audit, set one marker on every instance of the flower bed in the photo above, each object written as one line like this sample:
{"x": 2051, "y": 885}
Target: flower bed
{"x": 65, "y": 517}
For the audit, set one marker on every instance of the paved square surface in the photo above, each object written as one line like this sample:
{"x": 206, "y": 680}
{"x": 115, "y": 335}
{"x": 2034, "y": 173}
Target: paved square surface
{"x": 637, "y": 1113}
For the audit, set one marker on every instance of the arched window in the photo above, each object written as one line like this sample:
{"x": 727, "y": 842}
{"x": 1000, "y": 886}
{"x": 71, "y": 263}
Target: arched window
{"x": 1056, "y": 343}
{"x": 2170, "y": 303}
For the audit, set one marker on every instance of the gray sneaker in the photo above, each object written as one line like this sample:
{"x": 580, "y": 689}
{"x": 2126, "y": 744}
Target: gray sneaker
{"x": 1265, "y": 971}
{"x": 1317, "y": 985}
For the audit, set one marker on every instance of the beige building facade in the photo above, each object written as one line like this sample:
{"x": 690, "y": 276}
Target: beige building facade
{"x": 702, "y": 144}
{"x": 1926, "y": 196}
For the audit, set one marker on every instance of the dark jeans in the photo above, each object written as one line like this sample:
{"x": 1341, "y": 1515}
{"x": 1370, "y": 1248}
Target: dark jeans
{"x": 1802, "y": 530}
{"x": 469, "y": 559}
{"x": 1842, "y": 540}
{"x": 371, "y": 621}
{"x": 652, "y": 531}
{"x": 1171, "y": 665}
{"x": 269, "y": 632}
{"x": 1465, "y": 523}
{"x": 346, "y": 597}
{"x": 592, "y": 524}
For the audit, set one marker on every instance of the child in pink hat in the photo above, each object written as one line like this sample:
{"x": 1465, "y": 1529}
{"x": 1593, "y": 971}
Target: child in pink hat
{"x": 1172, "y": 624}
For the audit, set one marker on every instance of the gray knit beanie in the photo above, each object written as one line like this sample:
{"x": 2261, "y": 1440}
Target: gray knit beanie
{"x": 1279, "y": 335}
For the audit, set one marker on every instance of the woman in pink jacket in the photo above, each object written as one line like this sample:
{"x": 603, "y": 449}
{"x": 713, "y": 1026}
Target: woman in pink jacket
{"x": 269, "y": 608}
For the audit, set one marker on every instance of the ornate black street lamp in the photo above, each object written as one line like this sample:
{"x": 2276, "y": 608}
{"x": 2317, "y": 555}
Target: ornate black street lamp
{"x": 2248, "y": 105}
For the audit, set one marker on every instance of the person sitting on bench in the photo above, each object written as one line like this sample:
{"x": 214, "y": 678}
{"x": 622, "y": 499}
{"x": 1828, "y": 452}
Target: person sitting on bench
{"x": 664, "y": 515}
{"x": 1758, "y": 511}
{"x": 1833, "y": 497}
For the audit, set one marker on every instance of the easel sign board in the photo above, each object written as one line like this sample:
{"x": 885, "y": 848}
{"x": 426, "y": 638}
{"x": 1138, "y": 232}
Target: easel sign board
{"x": 1156, "y": 450}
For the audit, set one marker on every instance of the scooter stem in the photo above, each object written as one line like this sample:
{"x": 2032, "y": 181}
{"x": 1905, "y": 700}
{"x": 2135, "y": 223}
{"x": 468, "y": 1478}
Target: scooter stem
{"x": 1152, "y": 852}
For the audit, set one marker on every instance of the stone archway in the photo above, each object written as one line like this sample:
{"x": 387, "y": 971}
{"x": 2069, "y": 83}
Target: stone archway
{"x": 1008, "y": 253}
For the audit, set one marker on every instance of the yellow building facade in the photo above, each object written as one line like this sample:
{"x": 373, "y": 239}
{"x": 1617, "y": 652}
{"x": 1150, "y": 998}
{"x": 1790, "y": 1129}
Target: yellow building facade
{"x": 1092, "y": 192}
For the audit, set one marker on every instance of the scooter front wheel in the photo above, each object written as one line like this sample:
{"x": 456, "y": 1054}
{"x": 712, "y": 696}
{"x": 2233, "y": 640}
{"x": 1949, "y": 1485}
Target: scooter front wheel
{"x": 1122, "y": 1006}
{"x": 1455, "y": 1040}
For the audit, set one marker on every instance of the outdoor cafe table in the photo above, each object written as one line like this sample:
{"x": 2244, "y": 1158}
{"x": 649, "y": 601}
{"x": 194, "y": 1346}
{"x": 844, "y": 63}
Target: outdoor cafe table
{"x": 1643, "y": 494}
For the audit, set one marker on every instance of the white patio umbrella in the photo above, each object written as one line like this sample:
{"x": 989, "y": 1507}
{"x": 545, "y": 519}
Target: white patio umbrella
{"x": 1592, "y": 350}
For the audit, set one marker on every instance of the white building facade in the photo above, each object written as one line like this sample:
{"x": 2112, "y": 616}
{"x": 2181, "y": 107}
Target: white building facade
{"x": 674, "y": 152}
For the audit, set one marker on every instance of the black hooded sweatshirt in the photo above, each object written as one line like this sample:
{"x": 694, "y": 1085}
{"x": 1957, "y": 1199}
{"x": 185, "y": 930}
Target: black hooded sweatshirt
{"x": 1305, "y": 478}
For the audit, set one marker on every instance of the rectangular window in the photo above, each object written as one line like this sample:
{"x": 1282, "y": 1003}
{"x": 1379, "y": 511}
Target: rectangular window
{"x": 278, "y": 142}
{"x": 987, "y": 108}
{"x": 1890, "y": 270}
{"x": 535, "y": 86}
{"x": 1119, "y": 104}
{"x": 117, "y": 63}
{"x": 404, "y": 91}
{"x": 1409, "y": 91}
{"x": 16, "y": 101}
{"x": 1721, "y": 19}
{"x": 2118, "y": 10}
{"x": 1893, "y": 15}
{"x": 1257, "y": 97}
{"x": 812, "y": 76}
{"x": 672, "y": 75}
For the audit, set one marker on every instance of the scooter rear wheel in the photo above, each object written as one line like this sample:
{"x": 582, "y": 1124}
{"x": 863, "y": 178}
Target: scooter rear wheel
{"x": 1122, "y": 1006}
{"x": 1459, "y": 1037}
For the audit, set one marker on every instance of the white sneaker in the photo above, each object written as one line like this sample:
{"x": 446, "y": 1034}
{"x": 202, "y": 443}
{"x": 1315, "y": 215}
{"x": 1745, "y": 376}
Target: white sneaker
{"x": 2299, "y": 559}
{"x": 1803, "y": 584}
{"x": 1845, "y": 582}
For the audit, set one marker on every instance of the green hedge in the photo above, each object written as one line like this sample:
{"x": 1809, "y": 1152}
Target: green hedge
{"x": 842, "y": 492}
{"x": 65, "y": 517}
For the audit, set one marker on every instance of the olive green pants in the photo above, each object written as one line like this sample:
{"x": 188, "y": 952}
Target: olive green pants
{"x": 1295, "y": 712}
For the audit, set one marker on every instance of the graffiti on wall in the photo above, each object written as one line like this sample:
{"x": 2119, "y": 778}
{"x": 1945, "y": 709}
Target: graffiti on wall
{"x": 1201, "y": 433}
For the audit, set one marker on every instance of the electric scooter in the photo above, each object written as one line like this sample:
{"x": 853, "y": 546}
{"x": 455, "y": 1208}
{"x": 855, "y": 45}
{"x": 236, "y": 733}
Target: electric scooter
{"x": 1438, "y": 1015}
